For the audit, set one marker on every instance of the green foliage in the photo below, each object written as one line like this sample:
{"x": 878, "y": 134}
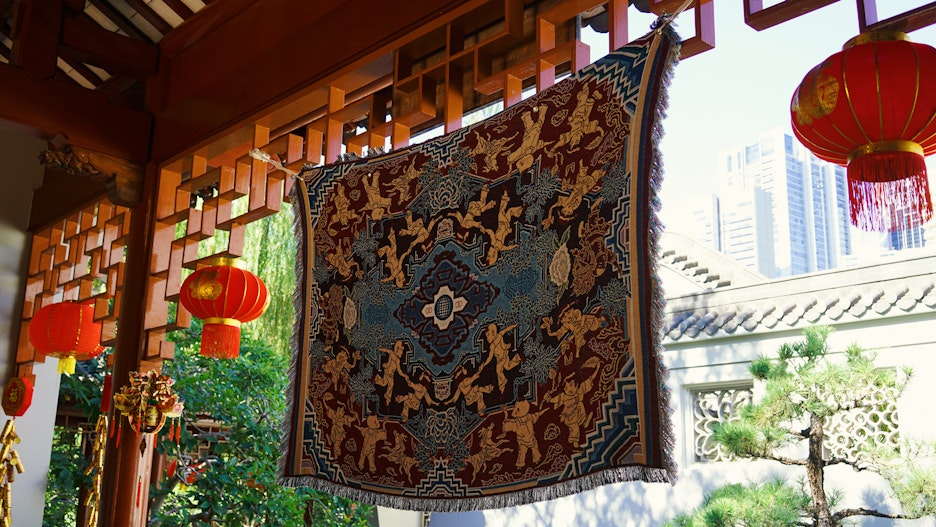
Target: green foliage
{"x": 771, "y": 504}
{"x": 66, "y": 474}
{"x": 803, "y": 388}
{"x": 233, "y": 413}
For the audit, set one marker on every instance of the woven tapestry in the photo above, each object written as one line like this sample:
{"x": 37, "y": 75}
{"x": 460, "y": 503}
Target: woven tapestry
{"x": 478, "y": 315}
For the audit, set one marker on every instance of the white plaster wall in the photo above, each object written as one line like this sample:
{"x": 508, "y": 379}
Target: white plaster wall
{"x": 909, "y": 339}
{"x": 20, "y": 173}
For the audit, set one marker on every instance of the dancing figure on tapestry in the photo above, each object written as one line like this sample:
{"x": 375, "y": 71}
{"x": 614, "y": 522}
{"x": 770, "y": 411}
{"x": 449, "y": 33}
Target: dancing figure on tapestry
{"x": 475, "y": 314}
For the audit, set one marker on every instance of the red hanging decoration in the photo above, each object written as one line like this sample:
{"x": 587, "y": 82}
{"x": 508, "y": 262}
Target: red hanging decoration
{"x": 17, "y": 396}
{"x": 224, "y": 296}
{"x": 872, "y": 108}
{"x": 66, "y": 330}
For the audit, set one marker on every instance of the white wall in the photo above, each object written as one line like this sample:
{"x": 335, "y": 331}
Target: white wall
{"x": 20, "y": 173}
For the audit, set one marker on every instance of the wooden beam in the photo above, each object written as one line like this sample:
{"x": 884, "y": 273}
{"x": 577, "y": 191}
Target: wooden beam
{"x": 906, "y": 21}
{"x": 760, "y": 18}
{"x": 35, "y": 36}
{"x": 113, "y": 52}
{"x": 87, "y": 118}
{"x": 264, "y": 70}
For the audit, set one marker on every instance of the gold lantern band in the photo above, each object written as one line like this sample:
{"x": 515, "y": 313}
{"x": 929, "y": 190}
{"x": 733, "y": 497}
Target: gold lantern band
{"x": 227, "y": 261}
{"x": 875, "y": 36}
{"x": 224, "y": 321}
{"x": 886, "y": 146}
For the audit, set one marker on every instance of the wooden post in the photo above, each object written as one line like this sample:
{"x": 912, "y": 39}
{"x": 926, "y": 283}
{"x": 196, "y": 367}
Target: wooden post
{"x": 125, "y": 485}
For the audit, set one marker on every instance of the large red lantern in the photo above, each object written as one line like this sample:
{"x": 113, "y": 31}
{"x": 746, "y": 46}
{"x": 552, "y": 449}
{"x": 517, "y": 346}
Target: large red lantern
{"x": 224, "y": 296}
{"x": 66, "y": 330}
{"x": 872, "y": 108}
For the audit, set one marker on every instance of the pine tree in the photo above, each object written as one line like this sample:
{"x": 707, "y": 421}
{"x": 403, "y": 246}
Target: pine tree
{"x": 804, "y": 387}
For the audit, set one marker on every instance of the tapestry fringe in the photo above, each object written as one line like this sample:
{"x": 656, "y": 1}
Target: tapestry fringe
{"x": 656, "y": 231}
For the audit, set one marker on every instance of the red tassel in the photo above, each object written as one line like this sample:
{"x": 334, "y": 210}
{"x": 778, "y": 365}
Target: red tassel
{"x": 220, "y": 341}
{"x": 119, "y": 430}
{"x": 889, "y": 191}
{"x": 139, "y": 490}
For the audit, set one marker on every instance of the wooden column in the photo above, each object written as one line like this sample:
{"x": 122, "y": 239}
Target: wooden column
{"x": 125, "y": 486}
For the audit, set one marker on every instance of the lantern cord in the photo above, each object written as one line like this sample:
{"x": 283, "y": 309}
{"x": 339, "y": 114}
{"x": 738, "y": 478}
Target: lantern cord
{"x": 260, "y": 155}
{"x": 667, "y": 18}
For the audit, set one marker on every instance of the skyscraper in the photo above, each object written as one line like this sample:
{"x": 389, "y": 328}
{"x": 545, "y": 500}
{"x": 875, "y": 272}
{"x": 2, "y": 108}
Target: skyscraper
{"x": 779, "y": 209}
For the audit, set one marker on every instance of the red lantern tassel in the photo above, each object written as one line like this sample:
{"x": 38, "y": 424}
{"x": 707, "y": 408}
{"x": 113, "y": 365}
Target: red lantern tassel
{"x": 119, "y": 430}
{"x": 889, "y": 191}
{"x": 221, "y": 341}
{"x": 139, "y": 490}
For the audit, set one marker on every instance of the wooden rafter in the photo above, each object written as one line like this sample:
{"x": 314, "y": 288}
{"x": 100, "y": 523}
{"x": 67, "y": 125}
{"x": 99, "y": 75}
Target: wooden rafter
{"x": 110, "y": 51}
{"x": 121, "y": 21}
{"x": 184, "y": 11}
{"x": 151, "y": 16}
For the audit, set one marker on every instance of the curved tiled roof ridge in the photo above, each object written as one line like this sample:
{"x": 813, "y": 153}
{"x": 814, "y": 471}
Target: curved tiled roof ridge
{"x": 707, "y": 268}
{"x": 889, "y": 288}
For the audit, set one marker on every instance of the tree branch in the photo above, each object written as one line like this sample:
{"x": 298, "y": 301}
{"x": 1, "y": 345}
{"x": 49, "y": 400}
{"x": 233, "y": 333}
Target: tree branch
{"x": 779, "y": 459}
{"x": 861, "y": 511}
{"x": 850, "y": 462}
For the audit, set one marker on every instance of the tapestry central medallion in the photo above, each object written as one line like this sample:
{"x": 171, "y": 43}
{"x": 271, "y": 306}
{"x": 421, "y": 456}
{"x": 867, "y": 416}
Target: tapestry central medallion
{"x": 445, "y": 306}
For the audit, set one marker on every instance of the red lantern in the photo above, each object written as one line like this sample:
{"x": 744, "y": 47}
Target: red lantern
{"x": 872, "y": 107}
{"x": 17, "y": 396}
{"x": 66, "y": 330}
{"x": 224, "y": 296}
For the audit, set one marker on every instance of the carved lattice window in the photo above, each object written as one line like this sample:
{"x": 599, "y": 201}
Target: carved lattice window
{"x": 849, "y": 433}
{"x": 715, "y": 406}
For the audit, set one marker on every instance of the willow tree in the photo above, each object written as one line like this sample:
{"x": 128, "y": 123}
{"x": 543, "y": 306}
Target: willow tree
{"x": 804, "y": 389}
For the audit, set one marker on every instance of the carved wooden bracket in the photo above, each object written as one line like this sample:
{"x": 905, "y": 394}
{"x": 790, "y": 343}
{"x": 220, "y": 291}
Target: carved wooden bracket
{"x": 123, "y": 179}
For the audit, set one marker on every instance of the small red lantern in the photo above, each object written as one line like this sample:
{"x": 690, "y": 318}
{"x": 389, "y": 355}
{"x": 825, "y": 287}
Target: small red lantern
{"x": 871, "y": 107}
{"x": 17, "y": 396}
{"x": 224, "y": 296}
{"x": 66, "y": 330}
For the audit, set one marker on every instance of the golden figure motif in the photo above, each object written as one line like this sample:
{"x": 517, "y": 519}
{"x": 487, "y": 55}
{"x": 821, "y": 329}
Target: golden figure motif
{"x": 392, "y": 366}
{"x": 339, "y": 365}
{"x": 521, "y": 423}
{"x": 474, "y": 211}
{"x": 401, "y": 184}
{"x": 343, "y": 213}
{"x": 572, "y": 401}
{"x": 499, "y": 351}
{"x": 397, "y": 455}
{"x": 473, "y": 393}
{"x": 579, "y": 124}
{"x": 573, "y": 326}
{"x": 413, "y": 399}
{"x": 487, "y": 450}
{"x": 339, "y": 421}
{"x": 522, "y": 157}
{"x": 505, "y": 216}
{"x": 377, "y": 203}
{"x": 340, "y": 259}
{"x": 592, "y": 256}
{"x": 416, "y": 227}
{"x": 584, "y": 183}
{"x": 373, "y": 433}
{"x": 393, "y": 261}
{"x": 491, "y": 149}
